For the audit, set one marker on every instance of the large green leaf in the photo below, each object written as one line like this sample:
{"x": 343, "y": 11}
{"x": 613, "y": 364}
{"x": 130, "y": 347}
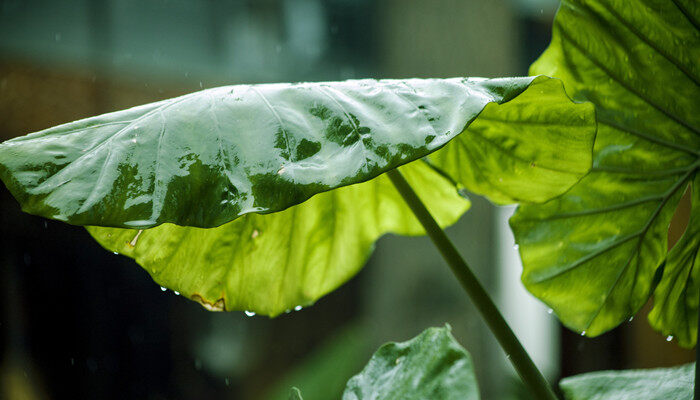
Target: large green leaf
{"x": 644, "y": 384}
{"x": 593, "y": 253}
{"x": 241, "y": 159}
{"x": 430, "y": 366}
{"x": 676, "y": 298}
{"x": 209, "y": 157}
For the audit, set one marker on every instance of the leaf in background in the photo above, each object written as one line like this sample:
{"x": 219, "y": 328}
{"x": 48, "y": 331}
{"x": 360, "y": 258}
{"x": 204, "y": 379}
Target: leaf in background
{"x": 643, "y": 384}
{"x": 592, "y": 254}
{"x": 676, "y": 298}
{"x": 430, "y": 366}
{"x": 240, "y": 158}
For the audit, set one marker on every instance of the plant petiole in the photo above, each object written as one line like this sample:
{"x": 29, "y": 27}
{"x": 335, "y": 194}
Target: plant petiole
{"x": 514, "y": 350}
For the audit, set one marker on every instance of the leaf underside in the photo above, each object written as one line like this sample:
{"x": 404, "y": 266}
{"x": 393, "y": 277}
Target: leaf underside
{"x": 282, "y": 176}
{"x": 592, "y": 254}
{"x": 650, "y": 384}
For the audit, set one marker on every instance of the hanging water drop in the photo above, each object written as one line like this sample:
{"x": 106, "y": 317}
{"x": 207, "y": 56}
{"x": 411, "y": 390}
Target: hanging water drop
{"x": 115, "y": 253}
{"x": 630, "y": 320}
{"x": 176, "y": 292}
{"x": 298, "y": 308}
{"x": 550, "y": 311}
{"x": 583, "y": 333}
{"x": 669, "y": 338}
{"x": 516, "y": 247}
{"x": 249, "y": 313}
{"x": 163, "y": 288}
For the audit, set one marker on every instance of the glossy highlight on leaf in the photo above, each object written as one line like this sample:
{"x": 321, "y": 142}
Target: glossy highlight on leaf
{"x": 209, "y": 157}
{"x": 643, "y": 384}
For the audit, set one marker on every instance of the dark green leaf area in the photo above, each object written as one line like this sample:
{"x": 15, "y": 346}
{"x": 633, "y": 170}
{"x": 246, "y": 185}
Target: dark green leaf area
{"x": 645, "y": 384}
{"x": 430, "y": 366}
{"x": 593, "y": 253}
{"x": 306, "y": 149}
{"x": 209, "y": 157}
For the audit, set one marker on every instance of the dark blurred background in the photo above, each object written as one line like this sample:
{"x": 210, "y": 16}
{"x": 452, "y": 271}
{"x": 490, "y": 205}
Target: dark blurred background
{"x": 79, "y": 322}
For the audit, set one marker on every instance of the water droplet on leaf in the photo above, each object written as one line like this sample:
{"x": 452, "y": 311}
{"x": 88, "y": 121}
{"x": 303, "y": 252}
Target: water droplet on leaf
{"x": 298, "y": 308}
{"x": 669, "y": 338}
{"x": 163, "y": 288}
{"x": 249, "y": 313}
